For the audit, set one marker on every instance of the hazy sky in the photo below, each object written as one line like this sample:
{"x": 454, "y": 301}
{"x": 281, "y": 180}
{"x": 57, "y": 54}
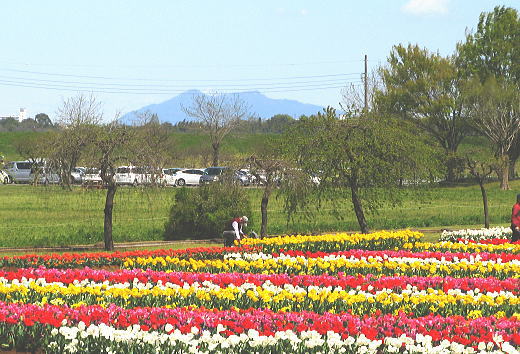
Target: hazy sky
{"x": 134, "y": 53}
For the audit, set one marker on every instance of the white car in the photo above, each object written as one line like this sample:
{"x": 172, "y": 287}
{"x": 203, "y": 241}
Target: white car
{"x": 77, "y": 174}
{"x": 92, "y": 177}
{"x": 130, "y": 175}
{"x": 168, "y": 176}
{"x": 189, "y": 176}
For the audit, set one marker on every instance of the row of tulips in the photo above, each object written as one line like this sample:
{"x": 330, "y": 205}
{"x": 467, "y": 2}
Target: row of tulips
{"x": 381, "y": 240}
{"x": 97, "y": 259}
{"x": 441, "y": 256}
{"x": 332, "y": 265}
{"x": 279, "y": 298}
{"x": 495, "y": 241}
{"x": 98, "y": 329}
{"x": 126, "y": 278}
{"x": 502, "y": 247}
{"x": 105, "y": 339}
{"x": 498, "y": 232}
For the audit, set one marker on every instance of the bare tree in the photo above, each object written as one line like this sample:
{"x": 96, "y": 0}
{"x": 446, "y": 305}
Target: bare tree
{"x": 108, "y": 149}
{"x": 153, "y": 146}
{"x": 218, "y": 115}
{"x": 495, "y": 111}
{"x": 76, "y": 116}
{"x": 268, "y": 172}
{"x": 481, "y": 169}
{"x": 353, "y": 95}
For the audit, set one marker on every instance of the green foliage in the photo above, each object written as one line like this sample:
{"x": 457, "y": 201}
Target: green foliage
{"x": 426, "y": 88}
{"x": 205, "y": 212}
{"x": 362, "y": 158}
{"x": 493, "y": 49}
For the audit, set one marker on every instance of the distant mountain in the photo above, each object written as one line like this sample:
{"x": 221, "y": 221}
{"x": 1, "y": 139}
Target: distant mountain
{"x": 261, "y": 106}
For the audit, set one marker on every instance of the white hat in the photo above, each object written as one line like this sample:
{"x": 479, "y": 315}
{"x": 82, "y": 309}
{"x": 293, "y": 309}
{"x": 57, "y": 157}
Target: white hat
{"x": 245, "y": 219}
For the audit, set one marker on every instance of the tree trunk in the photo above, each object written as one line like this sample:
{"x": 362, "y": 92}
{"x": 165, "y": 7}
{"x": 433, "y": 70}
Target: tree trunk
{"x": 107, "y": 226}
{"x": 512, "y": 165}
{"x": 263, "y": 208}
{"x": 358, "y": 208}
{"x": 504, "y": 173}
{"x": 451, "y": 166}
{"x": 216, "y": 153}
{"x": 485, "y": 202}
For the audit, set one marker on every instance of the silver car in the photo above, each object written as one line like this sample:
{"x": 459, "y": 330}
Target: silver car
{"x": 19, "y": 171}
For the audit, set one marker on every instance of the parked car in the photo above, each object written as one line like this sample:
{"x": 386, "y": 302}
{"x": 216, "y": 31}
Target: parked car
{"x": 213, "y": 174}
{"x": 19, "y": 171}
{"x": 242, "y": 177}
{"x": 77, "y": 175}
{"x": 168, "y": 176}
{"x": 258, "y": 178}
{"x": 45, "y": 175}
{"x": 4, "y": 177}
{"x": 130, "y": 175}
{"x": 190, "y": 176}
{"x": 92, "y": 177}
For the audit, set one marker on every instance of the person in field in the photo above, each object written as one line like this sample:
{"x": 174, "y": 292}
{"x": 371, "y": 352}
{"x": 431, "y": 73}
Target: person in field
{"x": 234, "y": 231}
{"x": 515, "y": 220}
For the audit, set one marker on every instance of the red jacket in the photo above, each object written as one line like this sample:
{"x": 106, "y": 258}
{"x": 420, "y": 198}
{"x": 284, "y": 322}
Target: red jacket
{"x": 515, "y": 215}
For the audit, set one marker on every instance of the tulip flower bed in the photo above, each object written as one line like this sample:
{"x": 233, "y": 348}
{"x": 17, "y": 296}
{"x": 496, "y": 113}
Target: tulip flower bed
{"x": 477, "y": 235}
{"x": 384, "y": 292}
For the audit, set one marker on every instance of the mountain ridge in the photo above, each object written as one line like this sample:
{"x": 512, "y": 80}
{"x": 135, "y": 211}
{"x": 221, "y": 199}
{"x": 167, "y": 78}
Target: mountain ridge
{"x": 260, "y": 105}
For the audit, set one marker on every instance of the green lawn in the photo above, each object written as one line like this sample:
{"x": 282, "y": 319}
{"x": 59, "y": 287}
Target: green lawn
{"x": 50, "y": 216}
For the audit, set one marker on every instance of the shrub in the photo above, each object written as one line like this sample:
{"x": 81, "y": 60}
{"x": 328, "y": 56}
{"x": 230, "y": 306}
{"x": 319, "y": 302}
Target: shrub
{"x": 204, "y": 212}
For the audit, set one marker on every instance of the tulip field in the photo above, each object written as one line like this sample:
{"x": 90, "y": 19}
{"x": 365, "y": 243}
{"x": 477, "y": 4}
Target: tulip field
{"x": 384, "y": 292}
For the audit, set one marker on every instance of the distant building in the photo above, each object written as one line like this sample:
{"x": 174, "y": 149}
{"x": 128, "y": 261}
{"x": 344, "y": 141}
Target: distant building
{"x": 23, "y": 115}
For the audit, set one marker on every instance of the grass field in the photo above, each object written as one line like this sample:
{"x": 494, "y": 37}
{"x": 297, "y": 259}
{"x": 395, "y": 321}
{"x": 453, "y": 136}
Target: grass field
{"x": 50, "y": 216}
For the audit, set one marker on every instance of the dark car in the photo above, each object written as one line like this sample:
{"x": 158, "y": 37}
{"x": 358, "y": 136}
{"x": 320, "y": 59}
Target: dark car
{"x": 214, "y": 174}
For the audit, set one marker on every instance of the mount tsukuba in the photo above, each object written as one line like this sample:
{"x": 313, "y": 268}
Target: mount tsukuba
{"x": 259, "y": 104}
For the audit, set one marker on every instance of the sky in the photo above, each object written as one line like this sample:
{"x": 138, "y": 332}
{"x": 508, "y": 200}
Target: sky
{"x": 132, "y": 53}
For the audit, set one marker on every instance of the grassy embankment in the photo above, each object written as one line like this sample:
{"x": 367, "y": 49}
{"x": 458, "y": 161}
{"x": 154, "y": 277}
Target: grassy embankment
{"x": 49, "y": 216}
{"x": 187, "y": 143}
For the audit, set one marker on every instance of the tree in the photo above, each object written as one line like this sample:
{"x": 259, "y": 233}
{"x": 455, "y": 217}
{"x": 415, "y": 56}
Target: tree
{"x": 218, "y": 115}
{"x": 481, "y": 168}
{"x": 43, "y": 120}
{"x": 108, "y": 149}
{"x": 153, "y": 146}
{"x": 362, "y": 158}
{"x": 492, "y": 51}
{"x": 76, "y": 117}
{"x": 495, "y": 111}
{"x": 426, "y": 88}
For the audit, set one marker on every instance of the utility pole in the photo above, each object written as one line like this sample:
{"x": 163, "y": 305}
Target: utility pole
{"x": 366, "y": 83}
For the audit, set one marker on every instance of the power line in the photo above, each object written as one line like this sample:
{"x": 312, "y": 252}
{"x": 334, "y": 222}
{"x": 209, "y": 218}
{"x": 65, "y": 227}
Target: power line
{"x": 104, "y": 90}
{"x": 177, "y": 80}
{"x": 25, "y": 80}
{"x": 185, "y": 66}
